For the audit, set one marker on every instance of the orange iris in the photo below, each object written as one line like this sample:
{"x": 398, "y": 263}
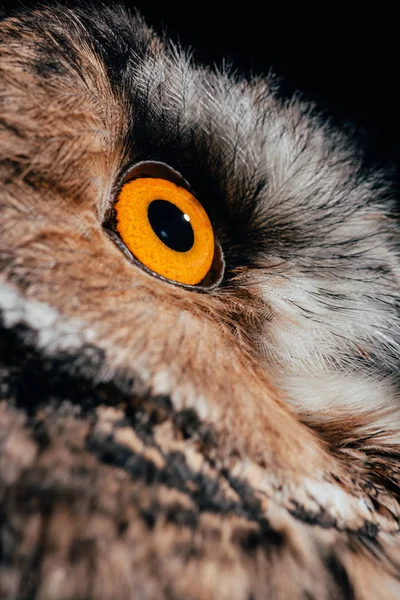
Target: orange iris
{"x": 166, "y": 229}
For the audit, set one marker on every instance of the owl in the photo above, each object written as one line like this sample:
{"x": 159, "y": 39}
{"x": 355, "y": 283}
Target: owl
{"x": 200, "y": 333}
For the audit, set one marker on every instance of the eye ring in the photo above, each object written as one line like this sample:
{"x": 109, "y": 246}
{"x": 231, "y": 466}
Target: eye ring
{"x": 199, "y": 267}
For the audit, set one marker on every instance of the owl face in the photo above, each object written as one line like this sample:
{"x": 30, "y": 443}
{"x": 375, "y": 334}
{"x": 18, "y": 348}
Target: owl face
{"x": 285, "y": 339}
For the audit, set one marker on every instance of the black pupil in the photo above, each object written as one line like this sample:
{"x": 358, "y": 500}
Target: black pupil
{"x": 171, "y": 225}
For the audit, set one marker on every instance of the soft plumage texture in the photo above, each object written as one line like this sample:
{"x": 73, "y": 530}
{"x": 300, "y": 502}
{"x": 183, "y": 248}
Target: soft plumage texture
{"x": 158, "y": 442}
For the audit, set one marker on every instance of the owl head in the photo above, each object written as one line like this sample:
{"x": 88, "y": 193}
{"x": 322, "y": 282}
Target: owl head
{"x": 171, "y": 231}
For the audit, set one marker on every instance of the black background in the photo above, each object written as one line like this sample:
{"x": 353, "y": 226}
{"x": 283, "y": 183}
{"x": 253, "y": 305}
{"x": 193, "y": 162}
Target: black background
{"x": 345, "y": 60}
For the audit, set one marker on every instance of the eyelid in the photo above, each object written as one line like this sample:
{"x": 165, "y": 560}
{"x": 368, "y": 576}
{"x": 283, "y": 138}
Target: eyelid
{"x": 156, "y": 169}
{"x": 145, "y": 168}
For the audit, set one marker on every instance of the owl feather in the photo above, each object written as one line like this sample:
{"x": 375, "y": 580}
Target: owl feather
{"x": 234, "y": 442}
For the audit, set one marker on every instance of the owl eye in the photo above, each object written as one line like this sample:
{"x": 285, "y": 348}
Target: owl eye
{"x": 166, "y": 229}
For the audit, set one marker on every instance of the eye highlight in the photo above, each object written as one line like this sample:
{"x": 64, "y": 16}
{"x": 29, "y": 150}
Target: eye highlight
{"x": 166, "y": 229}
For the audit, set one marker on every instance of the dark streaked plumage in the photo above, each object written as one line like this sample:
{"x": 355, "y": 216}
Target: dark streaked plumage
{"x": 160, "y": 442}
